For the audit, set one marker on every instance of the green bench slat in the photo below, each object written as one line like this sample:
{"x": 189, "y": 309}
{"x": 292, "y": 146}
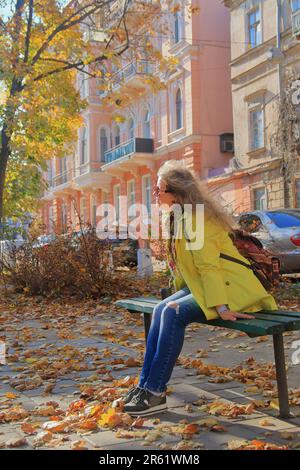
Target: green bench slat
{"x": 138, "y": 307}
{"x": 251, "y": 327}
{"x": 152, "y": 300}
{"x": 290, "y": 323}
{"x": 289, "y": 313}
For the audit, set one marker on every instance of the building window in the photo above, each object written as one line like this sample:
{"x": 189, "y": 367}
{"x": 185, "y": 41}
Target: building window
{"x": 105, "y": 207}
{"x": 73, "y": 214}
{"x": 83, "y": 149}
{"x": 146, "y": 185}
{"x": 51, "y": 219}
{"x": 259, "y": 199}
{"x": 131, "y": 198}
{"x": 297, "y": 184}
{"x": 117, "y": 136}
{"x": 62, "y": 171}
{"x": 103, "y": 144}
{"x": 50, "y": 172}
{"x": 178, "y": 123}
{"x": 178, "y": 25}
{"x": 295, "y": 5}
{"x": 254, "y": 27}
{"x": 147, "y": 126}
{"x": 83, "y": 210}
{"x": 94, "y": 211}
{"x": 83, "y": 85}
{"x": 257, "y": 129}
{"x": 131, "y": 128}
{"x": 117, "y": 202}
{"x": 63, "y": 217}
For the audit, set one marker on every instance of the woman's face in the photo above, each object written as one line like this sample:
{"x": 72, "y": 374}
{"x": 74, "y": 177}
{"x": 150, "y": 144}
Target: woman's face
{"x": 163, "y": 197}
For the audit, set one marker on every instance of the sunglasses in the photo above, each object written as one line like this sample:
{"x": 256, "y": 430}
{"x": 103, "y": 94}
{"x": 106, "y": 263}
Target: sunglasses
{"x": 157, "y": 191}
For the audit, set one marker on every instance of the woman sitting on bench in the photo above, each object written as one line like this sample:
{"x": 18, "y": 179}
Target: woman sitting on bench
{"x": 205, "y": 284}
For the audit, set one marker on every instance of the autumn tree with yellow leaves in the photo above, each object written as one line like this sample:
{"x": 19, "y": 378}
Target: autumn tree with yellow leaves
{"x": 44, "y": 45}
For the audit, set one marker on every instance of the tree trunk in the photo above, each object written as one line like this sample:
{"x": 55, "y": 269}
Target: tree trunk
{"x": 4, "y": 156}
{"x": 6, "y": 135}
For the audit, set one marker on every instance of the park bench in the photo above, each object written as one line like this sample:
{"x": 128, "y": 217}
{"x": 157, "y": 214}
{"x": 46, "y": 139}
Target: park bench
{"x": 274, "y": 323}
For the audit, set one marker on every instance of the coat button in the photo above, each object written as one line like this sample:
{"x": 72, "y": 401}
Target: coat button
{"x": 227, "y": 283}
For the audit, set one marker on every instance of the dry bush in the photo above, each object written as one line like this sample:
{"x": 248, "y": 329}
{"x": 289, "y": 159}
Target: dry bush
{"x": 78, "y": 265}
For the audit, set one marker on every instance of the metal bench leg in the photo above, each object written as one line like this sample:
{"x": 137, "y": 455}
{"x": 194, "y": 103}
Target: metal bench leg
{"x": 283, "y": 395}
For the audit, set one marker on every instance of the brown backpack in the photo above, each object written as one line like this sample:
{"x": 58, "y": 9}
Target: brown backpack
{"x": 262, "y": 262}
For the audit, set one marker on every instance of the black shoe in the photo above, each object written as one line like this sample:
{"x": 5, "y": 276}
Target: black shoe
{"x": 146, "y": 404}
{"x": 127, "y": 397}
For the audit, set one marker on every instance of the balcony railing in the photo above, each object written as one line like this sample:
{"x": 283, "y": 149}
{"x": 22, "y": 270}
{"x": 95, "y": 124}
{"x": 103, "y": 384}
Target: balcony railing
{"x": 85, "y": 168}
{"x": 59, "y": 179}
{"x": 296, "y": 23}
{"x": 93, "y": 34}
{"x": 138, "y": 68}
{"x": 135, "y": 145}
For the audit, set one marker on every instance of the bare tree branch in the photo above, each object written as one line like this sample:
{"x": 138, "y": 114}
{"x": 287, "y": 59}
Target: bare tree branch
{"x": 101, "y": 58}
{"x": 29, "y": 25}
{"x": 67, "y": 24}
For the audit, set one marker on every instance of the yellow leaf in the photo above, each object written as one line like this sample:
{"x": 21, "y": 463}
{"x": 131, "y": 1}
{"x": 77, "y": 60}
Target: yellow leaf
{"x": 11, "y": 395}
{"x": 31, "y": 360}
{"x": 251, "y": 389}
{"x": 110, "y": 418}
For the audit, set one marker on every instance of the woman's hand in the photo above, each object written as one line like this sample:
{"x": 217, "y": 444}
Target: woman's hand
{"x": 229, "y": 315}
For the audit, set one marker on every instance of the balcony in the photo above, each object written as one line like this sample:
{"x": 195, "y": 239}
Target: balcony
{"x": 136, "y": 145}
{"x": 129, "y": 155}
{"x": 57, "y": 185}
{"x": 95, "y": 35}
{"x": 296, "y": 23}
{"x": 60, "y": 179}
{"x": 90, "y": 176}
{"x": 133, "y": 74}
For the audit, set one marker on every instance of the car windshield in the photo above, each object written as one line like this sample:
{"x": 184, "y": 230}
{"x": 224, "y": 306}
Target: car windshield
{"x": 285, "y": 219}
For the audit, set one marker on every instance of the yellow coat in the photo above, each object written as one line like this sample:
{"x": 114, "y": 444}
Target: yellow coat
{"x": 213, "y": 280}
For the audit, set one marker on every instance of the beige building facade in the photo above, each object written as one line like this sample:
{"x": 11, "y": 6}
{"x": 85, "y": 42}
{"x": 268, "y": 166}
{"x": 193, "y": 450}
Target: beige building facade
{"x": 265, "y": 55}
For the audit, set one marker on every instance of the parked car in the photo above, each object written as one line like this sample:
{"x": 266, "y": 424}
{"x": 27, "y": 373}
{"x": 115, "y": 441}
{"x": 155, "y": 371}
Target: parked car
{"x": 123, "y": 250}
{"x": 279, "y": 232}
{"x": 44, "y": 240}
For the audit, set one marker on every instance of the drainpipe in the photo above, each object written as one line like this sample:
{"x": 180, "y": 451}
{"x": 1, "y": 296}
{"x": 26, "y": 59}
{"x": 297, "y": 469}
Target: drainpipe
{"x": 278, "y": 45}
{"x": 280, "y": 88}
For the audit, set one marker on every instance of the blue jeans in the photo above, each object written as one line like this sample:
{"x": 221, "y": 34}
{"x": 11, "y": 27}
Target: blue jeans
{"x": 165, "y": 339}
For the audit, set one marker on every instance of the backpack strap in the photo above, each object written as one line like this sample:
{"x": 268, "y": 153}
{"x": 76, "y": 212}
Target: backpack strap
{"x": 235, "y": 260}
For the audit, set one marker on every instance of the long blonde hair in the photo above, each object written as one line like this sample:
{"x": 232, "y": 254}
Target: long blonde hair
{"x": 188, "y": 189}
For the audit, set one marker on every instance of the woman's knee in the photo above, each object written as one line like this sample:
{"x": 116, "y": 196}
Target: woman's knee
{"x": 171, "y": 311}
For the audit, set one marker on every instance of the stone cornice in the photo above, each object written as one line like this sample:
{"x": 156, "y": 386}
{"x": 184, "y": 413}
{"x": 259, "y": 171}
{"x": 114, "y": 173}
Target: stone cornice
{"x": 232, "y": 3}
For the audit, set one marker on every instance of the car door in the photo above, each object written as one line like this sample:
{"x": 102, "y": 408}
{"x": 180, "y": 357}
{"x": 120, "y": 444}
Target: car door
{"x": 285, "y": 224}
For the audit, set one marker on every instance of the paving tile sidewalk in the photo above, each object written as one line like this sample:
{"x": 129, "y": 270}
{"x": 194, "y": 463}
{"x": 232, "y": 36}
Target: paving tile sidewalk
{"x": 185, "y": 388}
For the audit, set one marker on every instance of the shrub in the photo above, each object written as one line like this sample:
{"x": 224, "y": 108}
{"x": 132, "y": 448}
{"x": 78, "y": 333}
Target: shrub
{"x": 79, "y": 265}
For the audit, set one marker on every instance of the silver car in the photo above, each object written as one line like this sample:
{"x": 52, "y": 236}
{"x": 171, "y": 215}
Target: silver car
{"x": 279, "y": 232}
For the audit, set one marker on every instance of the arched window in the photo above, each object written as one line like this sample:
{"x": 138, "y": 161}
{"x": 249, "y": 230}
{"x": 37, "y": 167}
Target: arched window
{"x": 131, "y": 128}
{"x": 178, "y": 122}
{"x": 117, "y": 136}
{"x": 103, "y": 144}
{"x": 83, "y": 150}
{"x": 147, "y": 128}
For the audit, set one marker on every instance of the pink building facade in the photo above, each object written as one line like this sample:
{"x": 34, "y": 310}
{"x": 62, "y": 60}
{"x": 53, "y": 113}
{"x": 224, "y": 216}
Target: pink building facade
{"x": 190, "y": 120}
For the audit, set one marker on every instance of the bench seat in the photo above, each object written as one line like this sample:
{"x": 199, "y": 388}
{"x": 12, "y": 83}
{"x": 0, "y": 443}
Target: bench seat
{"x": 274, "y": 323}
